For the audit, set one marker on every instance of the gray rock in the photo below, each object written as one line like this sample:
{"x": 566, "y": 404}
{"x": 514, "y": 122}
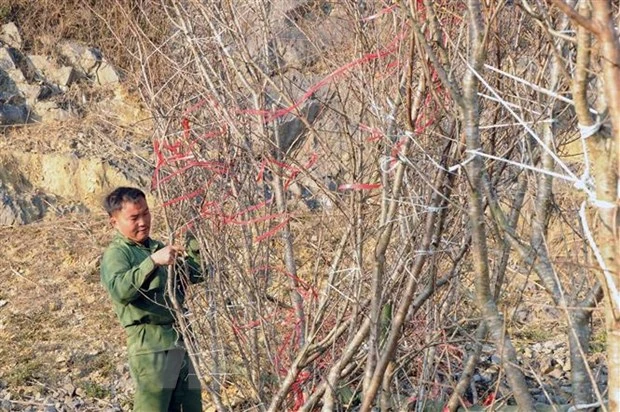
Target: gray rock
{"x": 7, "y": 85}
{"x": 45, "y": 68}
{"x": 9, "y": 213}
{"x": 82, "y": 58}
{"x": 7, "y": 63}
{"x": 291, "y": 131}
{"x": 19, "y": 210}
{"x": 10, "y": 35}
{"x": 64, "y": 76}
{"x": 17, "y": 94}
{"x": 17, "y": 76}
{"x": 297, "y": 46}
{"x": 50, "y": 408}
{"x": 10, "y": 114}
{"x": 5, "y": 405}
{"x": 88, "y": 61}
{"x": 298, "y": 52}
{"x": 70, "y": 389}
{"x": 23, "y": 64}
{"x": 106, "y": 74}
{"x": 29, "y": 92}
{"x": 46, "y": 111}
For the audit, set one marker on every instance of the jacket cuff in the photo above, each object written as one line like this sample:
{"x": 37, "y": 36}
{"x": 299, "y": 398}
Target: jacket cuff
{"x": 147, "y": 267}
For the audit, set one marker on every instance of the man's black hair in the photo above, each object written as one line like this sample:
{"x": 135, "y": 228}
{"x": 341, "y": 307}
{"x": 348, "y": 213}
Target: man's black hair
{"x": 113, "y": 202}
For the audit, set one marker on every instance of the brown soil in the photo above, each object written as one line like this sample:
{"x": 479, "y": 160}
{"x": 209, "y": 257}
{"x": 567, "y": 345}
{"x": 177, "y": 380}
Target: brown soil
{"x": 60, "y": 340}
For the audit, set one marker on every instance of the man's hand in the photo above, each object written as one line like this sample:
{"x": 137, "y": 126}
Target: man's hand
{"x": 167, "y": 255}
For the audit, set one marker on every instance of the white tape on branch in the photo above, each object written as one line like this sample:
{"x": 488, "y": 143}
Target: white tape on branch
{"x": 589, "y": 131}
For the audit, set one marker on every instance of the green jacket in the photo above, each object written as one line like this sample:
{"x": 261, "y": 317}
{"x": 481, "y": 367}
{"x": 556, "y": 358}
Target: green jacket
{"x": 138, "y": 291}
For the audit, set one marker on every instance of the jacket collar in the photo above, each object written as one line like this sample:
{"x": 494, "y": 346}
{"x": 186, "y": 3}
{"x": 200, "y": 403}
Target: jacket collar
{"x": 121, "y": 238}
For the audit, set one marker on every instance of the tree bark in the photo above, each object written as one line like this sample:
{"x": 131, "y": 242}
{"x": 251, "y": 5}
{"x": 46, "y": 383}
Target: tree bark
{"x": 603, "y": 159}
{"x": 432, "y": 234}
{"x": 607, "y": 189}
{"x": 470, "y": 112}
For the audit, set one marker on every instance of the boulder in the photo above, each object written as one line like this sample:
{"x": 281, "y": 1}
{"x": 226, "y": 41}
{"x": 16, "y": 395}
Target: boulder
{"x": 29, "y": 92}
{"x": 17, "y": 94}
{"x": 14, "y": 88}
{"x": 16, "y": 210}
{"x": 297, "y": 51}
{"x": 9, "y": 35}
{"x": 89, "y": 61}
{"x": 106, "y": 74}
{"x": 7, "y": 63}
{"x": 11, "y": 114}
{"x": 47, "y": 110}
{"x": 24, "y": 64}
{"x": 290, "y": 132}
{"x": 7, "y": 88}
{"x": 306, "y": 30}
{"x": 62, "y": 76}
{"x": 9, "y": 76}
{"x": 82, "y": 58}
{"x": 9, "y": 68}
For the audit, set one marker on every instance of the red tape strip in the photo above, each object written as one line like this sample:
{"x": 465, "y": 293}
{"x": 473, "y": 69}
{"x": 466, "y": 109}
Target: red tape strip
{"x": 272, "y": 232}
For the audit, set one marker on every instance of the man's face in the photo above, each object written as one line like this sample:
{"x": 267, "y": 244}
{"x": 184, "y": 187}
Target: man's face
{"x": 133, "y": 221}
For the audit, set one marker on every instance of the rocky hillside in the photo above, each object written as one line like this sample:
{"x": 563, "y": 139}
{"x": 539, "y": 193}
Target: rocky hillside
{"x": 71, "y": 130}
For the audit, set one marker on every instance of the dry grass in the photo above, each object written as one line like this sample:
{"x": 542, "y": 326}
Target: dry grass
{"x": 57, "y": 325}
{"x": 92, "y": 22}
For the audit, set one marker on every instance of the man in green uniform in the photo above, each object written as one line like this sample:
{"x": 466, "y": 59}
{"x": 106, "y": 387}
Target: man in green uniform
{"x": 134, "y": 271}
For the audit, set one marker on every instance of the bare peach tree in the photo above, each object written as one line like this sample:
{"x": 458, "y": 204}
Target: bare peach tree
{"x": 544, "y": 138}
{"x": 362, "y": 176}
{"x": 287, "y": 150}
{"x": 596, "y": 29}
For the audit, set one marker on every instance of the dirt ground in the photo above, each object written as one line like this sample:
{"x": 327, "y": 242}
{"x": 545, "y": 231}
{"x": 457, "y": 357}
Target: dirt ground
{"x": 62, "y": 347}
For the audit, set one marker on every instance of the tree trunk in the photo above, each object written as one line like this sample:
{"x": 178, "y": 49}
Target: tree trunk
{"x": 470, "y": 111}
{"x": 607, "y": 191}
{"x": 603, "y": 152}
{"x": 578, "y": 341}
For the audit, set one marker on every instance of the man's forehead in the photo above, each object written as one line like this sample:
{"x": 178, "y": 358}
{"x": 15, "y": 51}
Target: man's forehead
{"x": 134, "y": 207}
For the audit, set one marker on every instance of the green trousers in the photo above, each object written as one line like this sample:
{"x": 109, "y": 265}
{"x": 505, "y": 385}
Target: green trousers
{"x": 165, "y": 381}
